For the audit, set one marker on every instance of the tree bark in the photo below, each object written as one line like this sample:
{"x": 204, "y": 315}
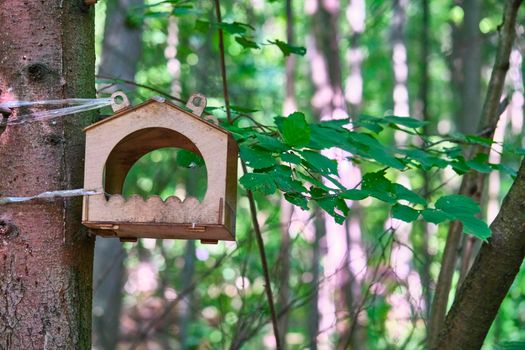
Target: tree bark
{"x": 491, "y": 276}
{"x": 497, "y": 264}
{"x": 472, "y": 183}
{"x": 46, "y": 270}
{"x": 120, "y": 54}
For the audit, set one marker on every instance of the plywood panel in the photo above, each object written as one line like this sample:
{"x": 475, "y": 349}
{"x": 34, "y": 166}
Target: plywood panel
{"x": 115, "y": 144}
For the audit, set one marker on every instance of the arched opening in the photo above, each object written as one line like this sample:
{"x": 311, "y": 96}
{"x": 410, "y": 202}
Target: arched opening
{"x": 156, "y": 162}
{"x": 167, "y": 172}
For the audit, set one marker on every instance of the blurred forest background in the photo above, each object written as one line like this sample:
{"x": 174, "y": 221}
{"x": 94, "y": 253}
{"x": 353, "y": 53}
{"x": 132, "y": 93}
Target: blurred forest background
{"x": 365, "y": 284}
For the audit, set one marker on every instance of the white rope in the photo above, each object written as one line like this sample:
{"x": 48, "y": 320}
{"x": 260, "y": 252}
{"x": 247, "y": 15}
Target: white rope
{"x": 50, "y": 195}
{"x": 66, "y": 101}
{"x": 77, "y": 105}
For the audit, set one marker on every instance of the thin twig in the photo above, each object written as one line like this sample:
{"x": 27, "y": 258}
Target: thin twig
{"x": 253, "y": 209}
{"x": 223, "y": 62}
{"x": 147, "y": 87}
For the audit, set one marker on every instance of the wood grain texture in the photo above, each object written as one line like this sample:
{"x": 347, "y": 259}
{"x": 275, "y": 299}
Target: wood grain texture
{"x": 116, "y": 143}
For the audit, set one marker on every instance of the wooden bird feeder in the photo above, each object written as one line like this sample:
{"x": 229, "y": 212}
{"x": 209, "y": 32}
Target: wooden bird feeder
{"x": 114, "y": 144}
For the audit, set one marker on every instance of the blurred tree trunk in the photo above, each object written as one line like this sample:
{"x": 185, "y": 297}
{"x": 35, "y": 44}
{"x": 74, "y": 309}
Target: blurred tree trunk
{"x": 46, "y": 270}
{"x": 356, "y": 260}
{"x": 399, "y": 59}
{"x": 185, "y": 309}
{"x": 335, "y": 297}
{"x": 185, "y": 312}
{"x": 287, "y": 208}
{"x": 120, "y": 55}
{"x": 402, "y": 257}
{"x": 423, "y": 104}
{"x": 468, "y": 119}
{"x": 470, "y": 56}
{"x": 170, "y": 53}
{"x": 313, "y": 309}
{"x": 466, "y": 73}
{"x": 122, "y": 44}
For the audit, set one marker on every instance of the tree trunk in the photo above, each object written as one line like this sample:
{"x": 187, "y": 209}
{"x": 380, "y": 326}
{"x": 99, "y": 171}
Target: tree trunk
{"x": 355, "y": 336}
{"x": 120, "y": 54}
{"x": 470, "y": 53}
{"x": 46, "y": 271}
{"x": 122, "y": 44}
{"x": 498, "y": 262}
{"x": 328, "y": 103}
{"x": 185, "y": 312}
{"x": 472, "y": 183}
{"x": 470, "y": 97}
{"x": 287, "y": 209}
{"x": 423, "y": 104}
{"x": 491, "y": 276}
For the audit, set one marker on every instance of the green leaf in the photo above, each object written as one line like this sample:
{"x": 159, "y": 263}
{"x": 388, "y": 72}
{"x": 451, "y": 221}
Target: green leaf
{"x": 510, "y": 345}
{"x": 312, "y": 180}
{"x": 476, "y": 227}
{"x": 202, "y": 26}
{"x": 460, "y": 165}
{"x": 354, "y": 194}
{"x": 295, "y": 130}
{"x": 457, "y": 205}
{"x": 405, "y": 213}
{"x": 336, "y": 124}
{"x": 404, "y": 193}
{"x": 291, "y": 158}
{"x": 374, "y": 150}
{"x": 246, "y": 43}
{"x": 426, "y": 159}
{"x": 271, "y": 143}
{"x": 235, "y": 27}
{"x": 483, "y": 141}
{"x": 183, "y": 10}
{"x": 379, "y": 186}
{"x": 505, "y": 169}
{"x": 405, "y": 121}
{"x": 282, "y": 176}
{"x": 324, "y": 137}
{"x": 297, "y": 199}
{"x": 480, "y": 163}
{"x": 256, "y": 158}
{"x": 383, "y": 157}
{"x": 370, "y": 123}
{"x": 188, "y": 159}
{"x": 330, "y": 204}
{"x": 435, "y": 216}
{"x": 261, "y": 182}
{"x": 287, "y": 49}
{"x": 320, "y": 163}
